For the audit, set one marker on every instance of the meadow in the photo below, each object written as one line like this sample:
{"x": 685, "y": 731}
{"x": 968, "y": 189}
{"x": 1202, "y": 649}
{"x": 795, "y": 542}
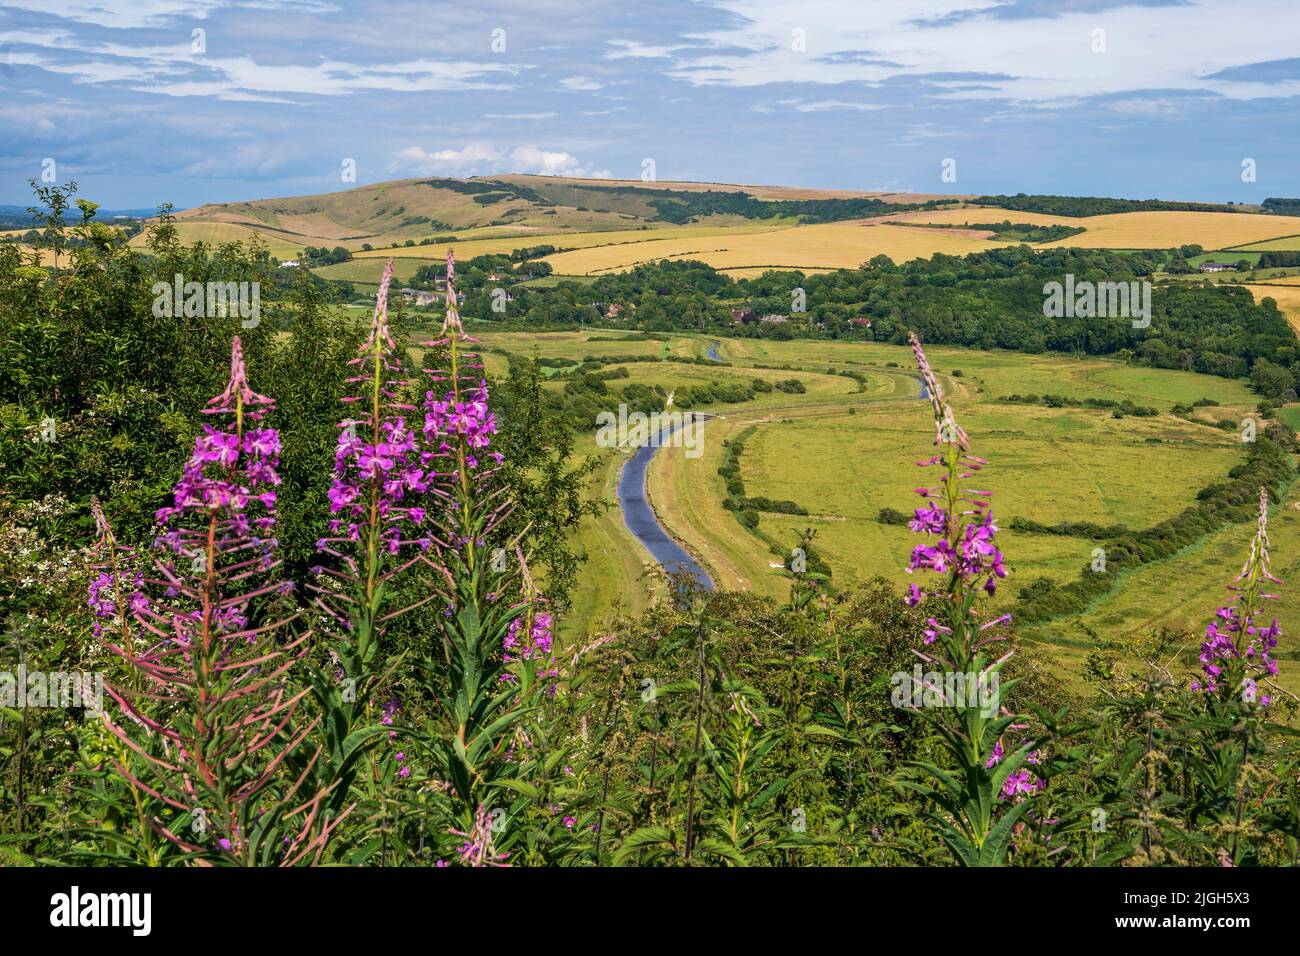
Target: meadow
{"x": 836, "y": 450}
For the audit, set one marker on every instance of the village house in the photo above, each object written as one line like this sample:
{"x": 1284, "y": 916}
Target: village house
{"x": 745, "y": 316}
{"x": 418, "y": 296}
{"x": 773, "y": 319}
{"x": 1215, "y": 267}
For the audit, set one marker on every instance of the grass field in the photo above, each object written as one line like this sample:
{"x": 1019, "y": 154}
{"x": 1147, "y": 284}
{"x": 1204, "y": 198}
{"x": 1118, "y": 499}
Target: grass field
{"x": 1281, "y": 244}
{"x": 492, "y": 245}
{"x": 215, "y": 233}
{"x": 1182, "y": 592}
{"x": 844, "y": 455}
{"x": 1052, "y": 465}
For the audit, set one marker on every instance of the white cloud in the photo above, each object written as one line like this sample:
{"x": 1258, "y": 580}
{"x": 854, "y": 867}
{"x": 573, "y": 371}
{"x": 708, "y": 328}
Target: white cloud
{"x": 1146, "y": 106}
{"x": 625, "y": 49}
{"x": 519, "y": 116}
{"x": 580, "y": 83}
{"x": 176, "y": 71}
{"x": 1048, "y": 57}
{"x": 821, "y": 106}
{"x": 126, "y": 14}
{"x": 477, "y": 159}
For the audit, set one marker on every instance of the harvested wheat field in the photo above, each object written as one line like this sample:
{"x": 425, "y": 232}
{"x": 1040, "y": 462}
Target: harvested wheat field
{"x": 841, "y": 245}
{"x": 968, "y": 215}
{"x": 1286, "y": 297}
{"x": 1163, "y": 230}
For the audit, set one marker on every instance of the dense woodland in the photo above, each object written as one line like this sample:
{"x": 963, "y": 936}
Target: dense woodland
{"x": 326, "y": 625}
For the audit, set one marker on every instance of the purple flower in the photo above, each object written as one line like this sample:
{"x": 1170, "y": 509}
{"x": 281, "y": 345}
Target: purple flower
{"x": 1238, "y": 650}
{"x": 966, "y": 552}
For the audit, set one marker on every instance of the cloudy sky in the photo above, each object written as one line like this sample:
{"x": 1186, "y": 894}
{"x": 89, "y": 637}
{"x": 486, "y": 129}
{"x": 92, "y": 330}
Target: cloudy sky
{"x": 192, "y": 101}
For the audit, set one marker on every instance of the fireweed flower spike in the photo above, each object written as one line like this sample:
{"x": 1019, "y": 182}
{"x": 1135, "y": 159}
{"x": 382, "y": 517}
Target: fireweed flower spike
{"x": 1238, "y": 649}
{"x": 484, "y": 663}
{"x": 116, "y": 592}
{"x": 477, "y": 848}
{"x": 959, "y": 518}
{"x": 379, "y": 503}
{"x": 960, "y": 550}
{"x": 458, "y": 429}
{"x": 214, "y": 658}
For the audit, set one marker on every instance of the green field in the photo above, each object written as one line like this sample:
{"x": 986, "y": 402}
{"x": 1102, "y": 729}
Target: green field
{"x": 844, "y": 454}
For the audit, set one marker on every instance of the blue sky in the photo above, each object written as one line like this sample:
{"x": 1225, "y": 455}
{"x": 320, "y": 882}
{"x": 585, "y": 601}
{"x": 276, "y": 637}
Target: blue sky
{"x": 1144, "y": 98}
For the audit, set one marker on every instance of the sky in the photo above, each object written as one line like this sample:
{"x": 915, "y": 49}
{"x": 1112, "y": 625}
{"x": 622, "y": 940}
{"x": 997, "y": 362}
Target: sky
{"x": 194, "y": 101}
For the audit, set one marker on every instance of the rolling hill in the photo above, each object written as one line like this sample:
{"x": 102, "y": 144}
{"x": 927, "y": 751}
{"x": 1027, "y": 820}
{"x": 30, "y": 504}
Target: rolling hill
{"x": 601, "y": 225}
{"x": 514, "y": 205}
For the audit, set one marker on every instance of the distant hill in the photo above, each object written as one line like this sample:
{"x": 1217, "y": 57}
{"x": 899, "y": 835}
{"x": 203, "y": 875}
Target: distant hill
{"x": 17, "y": 217}
{"x": 428, "y": 208}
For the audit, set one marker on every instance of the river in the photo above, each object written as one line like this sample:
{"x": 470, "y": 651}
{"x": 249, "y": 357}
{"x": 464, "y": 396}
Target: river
{"x": 644, "y": 524}
{"x": 641, "y": 519}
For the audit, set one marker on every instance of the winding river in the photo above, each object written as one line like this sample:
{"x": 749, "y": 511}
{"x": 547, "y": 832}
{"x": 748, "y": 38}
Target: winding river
{"x": 644, "y": 524}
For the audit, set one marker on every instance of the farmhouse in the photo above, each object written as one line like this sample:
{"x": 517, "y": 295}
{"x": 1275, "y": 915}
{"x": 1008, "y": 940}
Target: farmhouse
{"x": 610, "y": 310}
{"x": 745, "y": 316}
{"x": 864, "y": 323}
{"x": 288, "y": 263}
{"x": 773, "y": 319}
{"x": 1215, "y": 267}
{"x": 418, "y": 296}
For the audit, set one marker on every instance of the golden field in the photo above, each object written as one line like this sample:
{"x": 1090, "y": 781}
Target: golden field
{"x": 967, "y": 215}
{"x": 1286, "y": 297}
{"x": 1162, "y": 230}
{"x": 495, "y": 245}
{"x": 840, "y": 245}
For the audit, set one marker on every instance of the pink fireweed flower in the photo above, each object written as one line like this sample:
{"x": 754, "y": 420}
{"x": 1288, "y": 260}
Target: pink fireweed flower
{"x": 379, "y": 473}
{"x": 471, "y": 420}
{"x": 478, "y": 848}
{"x": 226, "y": 495}
{"x": 118, "y": 581}
{"x": 215, "y": 657}
{"x": 1020, "y": 782}
{"x": 534, "y": 643}
{"x": 1238, "y": 648}
{"x": 966, "y": 551}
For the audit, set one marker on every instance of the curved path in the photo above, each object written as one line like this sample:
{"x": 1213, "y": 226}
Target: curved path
{"x": 644, "y": 524}
{"x": 640, "y": 517}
